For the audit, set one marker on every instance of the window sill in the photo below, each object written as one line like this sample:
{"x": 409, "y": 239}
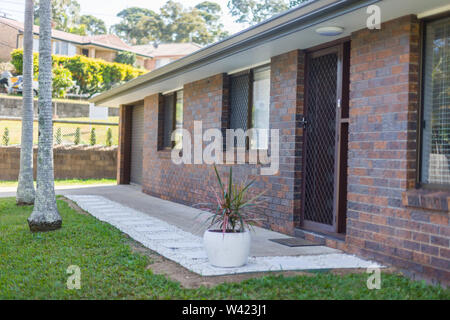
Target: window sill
{"x": 436, "y": 200}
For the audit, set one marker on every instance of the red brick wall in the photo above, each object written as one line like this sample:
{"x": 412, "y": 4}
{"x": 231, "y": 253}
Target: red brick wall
{"x": 387, "y": 219}
{"x": 207, "y": 100}
{"x": 384, "y": 104}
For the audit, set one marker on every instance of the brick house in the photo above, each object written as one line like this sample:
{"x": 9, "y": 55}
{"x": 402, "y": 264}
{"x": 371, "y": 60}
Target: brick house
{"x": 363, "y": 122}
{"x": 103, "y": 47}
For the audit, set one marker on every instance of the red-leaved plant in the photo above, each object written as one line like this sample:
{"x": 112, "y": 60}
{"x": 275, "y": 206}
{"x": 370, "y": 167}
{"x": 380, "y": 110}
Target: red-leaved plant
{"x": 231, "y": 205}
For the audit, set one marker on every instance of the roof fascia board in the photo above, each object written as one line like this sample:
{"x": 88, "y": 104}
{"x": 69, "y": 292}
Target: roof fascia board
{"x": 253, "y": 66}
{"x": 433, "y": 12}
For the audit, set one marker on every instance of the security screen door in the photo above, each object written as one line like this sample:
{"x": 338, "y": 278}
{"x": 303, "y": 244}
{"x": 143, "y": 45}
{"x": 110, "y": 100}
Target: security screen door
{"x": 324, "y": 127}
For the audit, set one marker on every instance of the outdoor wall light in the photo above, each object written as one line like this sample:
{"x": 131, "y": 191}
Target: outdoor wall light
{"x": 329, "y": 31}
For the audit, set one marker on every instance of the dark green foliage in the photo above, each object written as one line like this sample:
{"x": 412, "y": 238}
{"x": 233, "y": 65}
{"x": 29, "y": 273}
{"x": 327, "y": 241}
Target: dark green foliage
{"x": 126, "y": 57}
{"x": 231, "y": 204}
{"x": 174, "y": 23}
{"x": 5, "y": 137}
{"x": 77, "y": 136}
{"x": 17, "y": 61}
{"x": 58, "y": 136}
{"x": 62, "y": 81}
{"x": 91, "y": 75}
{"x": 93, "y": 25}
{"x": 109, "y": 137}
{"x": 92, "y": 138}
{"x": 67, "y": 17}
{"x": 256, "y": 11}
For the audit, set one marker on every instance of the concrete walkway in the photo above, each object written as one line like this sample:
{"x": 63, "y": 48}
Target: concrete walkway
{"x": 175, "y": 231}
{"x": 11, "y": 191}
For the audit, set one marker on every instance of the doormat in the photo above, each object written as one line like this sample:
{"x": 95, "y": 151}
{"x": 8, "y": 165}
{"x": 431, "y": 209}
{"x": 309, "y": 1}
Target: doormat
{"x": 295, "y": 242}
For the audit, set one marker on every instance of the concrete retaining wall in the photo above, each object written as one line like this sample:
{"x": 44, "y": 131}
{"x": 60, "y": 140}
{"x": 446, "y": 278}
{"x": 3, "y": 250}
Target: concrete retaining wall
{"x": 75, "y": 162}
{"x": 12, "y": 107}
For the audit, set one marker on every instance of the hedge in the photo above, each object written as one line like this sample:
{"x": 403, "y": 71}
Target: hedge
{"x": 92, "y": 75}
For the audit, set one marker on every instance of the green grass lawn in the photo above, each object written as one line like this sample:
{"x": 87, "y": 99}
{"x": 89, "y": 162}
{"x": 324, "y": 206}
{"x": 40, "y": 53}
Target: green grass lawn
{"x": 67, "y": 131}
{"x": 65, "y": 182}
{"x": 33, "y": 266}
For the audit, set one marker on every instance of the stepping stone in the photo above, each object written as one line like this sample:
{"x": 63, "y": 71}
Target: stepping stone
{"x": 163, "y": 236}
{"x": 133, "y": 222}
{"x": 183, "y": 245}
{"x": 152, "y": 228}
{"x": 115, "y": 214}
{"x": 126, "y": 218}
{"x": 195, "y": 255}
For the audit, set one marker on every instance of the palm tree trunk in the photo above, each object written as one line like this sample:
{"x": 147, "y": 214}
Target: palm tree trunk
{"x": 45, "y": 215}
{"x": 25, "y": 189}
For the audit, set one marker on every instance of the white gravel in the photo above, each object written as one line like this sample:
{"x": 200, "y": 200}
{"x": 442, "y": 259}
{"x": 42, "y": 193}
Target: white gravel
{"x": 187, "y": 249}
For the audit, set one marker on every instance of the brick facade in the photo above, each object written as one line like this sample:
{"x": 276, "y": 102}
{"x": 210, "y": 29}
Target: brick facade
{"x": 384, "y": 104}
{"x": 387, "y": 219}
{"x": 9, "y": 41}
{"x": 207, "y": 100}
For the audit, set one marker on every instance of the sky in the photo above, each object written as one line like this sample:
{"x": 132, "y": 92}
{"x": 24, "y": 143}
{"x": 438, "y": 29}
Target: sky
{"x": 108, "y": 9}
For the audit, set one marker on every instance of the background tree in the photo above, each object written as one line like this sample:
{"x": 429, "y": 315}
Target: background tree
{"x": 67, "y": 17}
{"x": 211, "y": 13}
{"x": 77, "y": 29}
{"x": 254, "y": 11}
{"x": 131, "y": 28}
{"x": 183, "y": 25}
{"x": 65, "y": 13}
{"x": 173, "y": 23}
{"x": 45, "y": 215}
{"x": 93, "y": 25}
{"x": 25, "y": 189}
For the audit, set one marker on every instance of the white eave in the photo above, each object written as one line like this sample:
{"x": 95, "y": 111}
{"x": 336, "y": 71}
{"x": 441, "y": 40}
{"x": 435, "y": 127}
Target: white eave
{"x": 294, "y": 29}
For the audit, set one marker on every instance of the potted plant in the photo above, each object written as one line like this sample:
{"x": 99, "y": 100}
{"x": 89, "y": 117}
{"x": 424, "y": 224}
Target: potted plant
{"x": 227, "y": 240}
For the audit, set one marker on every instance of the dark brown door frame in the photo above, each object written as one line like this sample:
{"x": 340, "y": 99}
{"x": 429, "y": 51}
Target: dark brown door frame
{"x": 341, "y": 127}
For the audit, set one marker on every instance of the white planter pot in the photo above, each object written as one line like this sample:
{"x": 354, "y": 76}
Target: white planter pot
{"x": 227, "y": 250}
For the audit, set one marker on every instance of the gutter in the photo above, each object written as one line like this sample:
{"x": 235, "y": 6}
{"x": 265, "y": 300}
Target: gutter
{"x": 201, "y": 58}
{"x": 101, "y": 46}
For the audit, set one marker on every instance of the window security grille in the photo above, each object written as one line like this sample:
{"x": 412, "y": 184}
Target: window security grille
{"x": 169, "y": 108}
{"x": 239, "y": 103}
{"x": 436, "y": 100}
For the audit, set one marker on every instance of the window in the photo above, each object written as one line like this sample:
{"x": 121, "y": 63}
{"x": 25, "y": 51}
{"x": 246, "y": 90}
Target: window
{"x": 178, "y": 119}
{"x": 436, "y": 104}
{"x": 162, "y": 62}
{"x": 172, "y": 118}
{"x": 72, "y": 50}
{"x": 261, "y": 108}
{"x": 250, "y": 104}
{"x": 61, "y": 48}
{"x": 35, "y": 44}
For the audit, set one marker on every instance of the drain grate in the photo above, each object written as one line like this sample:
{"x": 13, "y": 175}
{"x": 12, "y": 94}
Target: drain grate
{"x": 294, "y": 242}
